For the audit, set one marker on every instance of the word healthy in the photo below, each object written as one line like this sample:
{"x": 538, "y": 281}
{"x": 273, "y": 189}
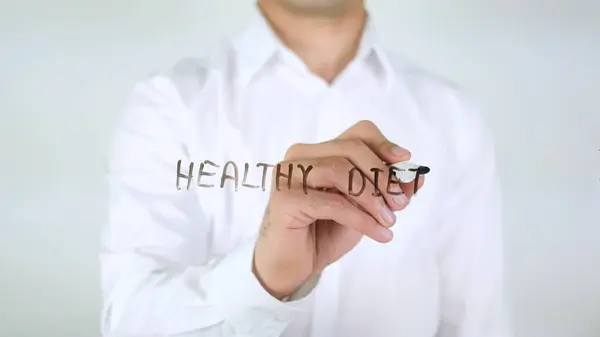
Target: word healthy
{"x": 230, "y": 171}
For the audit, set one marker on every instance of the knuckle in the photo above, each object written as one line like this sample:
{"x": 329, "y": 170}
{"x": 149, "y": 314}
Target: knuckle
{"x": 329, "y": 166}
{"x": 331, "y": 173}
{"x": 339, "y": 170}
{"x": 365, "y": 123}
{"x": 336, "y": 202}
{"x": 356, "y": 142}
{"x": 336, "y": 164}
{"x": 321, "y": 162}
{"x": 352, "y": 144}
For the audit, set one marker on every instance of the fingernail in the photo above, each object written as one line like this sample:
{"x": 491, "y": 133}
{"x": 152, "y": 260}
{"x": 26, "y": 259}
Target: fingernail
{"x": 400, "y": 200}
{"x": 387, "y": 234}
{"x": 387, "y": 215}
{"x": 398, "y": 151}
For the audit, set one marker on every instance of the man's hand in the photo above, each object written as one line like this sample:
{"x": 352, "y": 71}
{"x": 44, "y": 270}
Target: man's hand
{"x": 302, "y": 233}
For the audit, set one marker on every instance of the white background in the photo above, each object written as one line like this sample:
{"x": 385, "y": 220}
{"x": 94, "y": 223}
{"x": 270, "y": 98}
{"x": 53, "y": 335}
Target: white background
{"x": 65, "y": 67}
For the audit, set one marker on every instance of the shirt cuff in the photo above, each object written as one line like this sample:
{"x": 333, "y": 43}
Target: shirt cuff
{"x": 242, "y": 301}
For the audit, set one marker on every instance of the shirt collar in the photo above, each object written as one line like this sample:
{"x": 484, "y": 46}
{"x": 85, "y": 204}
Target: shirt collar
{"x": 259, "y": 46}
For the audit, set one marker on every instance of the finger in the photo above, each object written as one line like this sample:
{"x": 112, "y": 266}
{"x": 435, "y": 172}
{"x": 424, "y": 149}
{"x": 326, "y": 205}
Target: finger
{"x": 318, "y": 205}
{"x": 361, "y": 156}
{"x": 390, "y": 152}
{"x": 410, "y": 187}
{"x": 337, "y": 173}
{"x": 370, "y": 134}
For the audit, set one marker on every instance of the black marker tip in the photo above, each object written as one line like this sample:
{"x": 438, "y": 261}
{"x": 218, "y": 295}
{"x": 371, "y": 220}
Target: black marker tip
{"x": 423, "y": 170}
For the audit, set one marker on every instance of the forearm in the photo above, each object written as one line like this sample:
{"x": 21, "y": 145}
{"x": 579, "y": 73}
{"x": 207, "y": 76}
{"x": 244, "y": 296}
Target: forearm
{"x": 222, "y": 299}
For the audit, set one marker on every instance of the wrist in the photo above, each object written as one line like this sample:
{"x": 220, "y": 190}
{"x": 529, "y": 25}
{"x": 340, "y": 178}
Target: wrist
{"x": 272, "y": 284}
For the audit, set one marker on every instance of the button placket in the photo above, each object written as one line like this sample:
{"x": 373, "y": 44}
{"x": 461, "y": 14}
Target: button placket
{"x": 330, "y": 114}
{"x": 326, "y": 291}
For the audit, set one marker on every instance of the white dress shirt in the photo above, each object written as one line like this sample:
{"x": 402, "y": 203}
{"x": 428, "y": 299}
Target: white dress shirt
{"x": 177, "y": 262}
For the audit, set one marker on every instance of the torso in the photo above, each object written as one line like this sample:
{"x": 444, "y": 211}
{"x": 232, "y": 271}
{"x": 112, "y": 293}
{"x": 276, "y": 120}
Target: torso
{"x": 395, "y": 283}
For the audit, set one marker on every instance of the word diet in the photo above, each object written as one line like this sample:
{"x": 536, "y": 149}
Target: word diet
{"x": 230, "y": 171}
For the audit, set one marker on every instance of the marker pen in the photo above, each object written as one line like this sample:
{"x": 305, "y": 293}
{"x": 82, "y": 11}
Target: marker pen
{"x": 406, "y": 172}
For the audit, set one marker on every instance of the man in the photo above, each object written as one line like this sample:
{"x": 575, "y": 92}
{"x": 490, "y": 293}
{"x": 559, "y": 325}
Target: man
{"x": 201, "y": 243}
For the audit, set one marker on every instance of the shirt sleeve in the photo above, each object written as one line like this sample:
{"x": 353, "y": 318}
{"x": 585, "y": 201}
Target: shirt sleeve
{"x": 470, "y": 244}
{"x": 158, "y": 278}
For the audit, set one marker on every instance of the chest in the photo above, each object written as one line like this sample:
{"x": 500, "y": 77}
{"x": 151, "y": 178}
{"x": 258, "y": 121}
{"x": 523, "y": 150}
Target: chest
{"x": 254, "y": 135}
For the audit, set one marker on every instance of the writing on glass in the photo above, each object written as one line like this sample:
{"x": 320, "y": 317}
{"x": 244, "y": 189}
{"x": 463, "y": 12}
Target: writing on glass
{"x": 203, "y": 176}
